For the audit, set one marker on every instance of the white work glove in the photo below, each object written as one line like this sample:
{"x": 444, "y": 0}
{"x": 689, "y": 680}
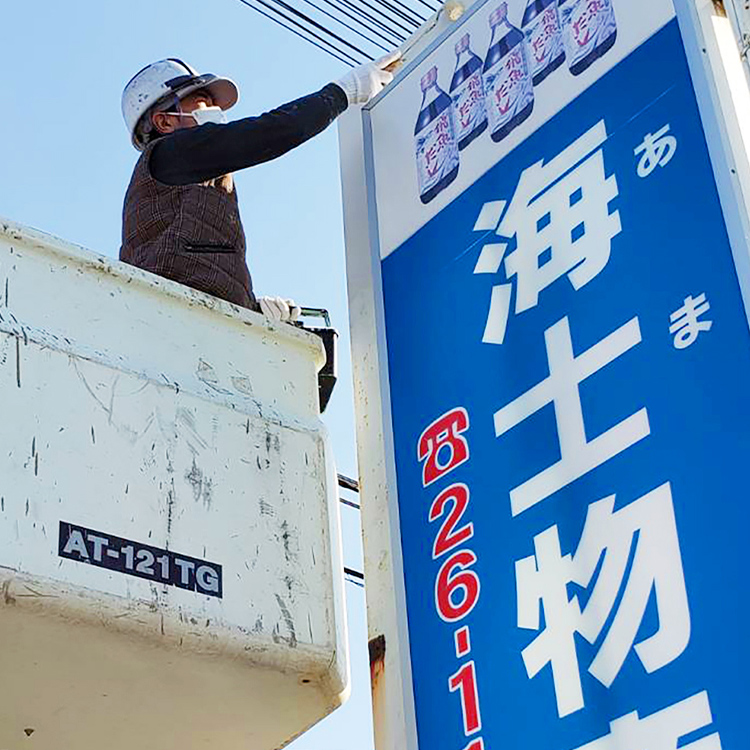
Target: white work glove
{"x": 279, "y": 310}
{"x": 360, "y": 84}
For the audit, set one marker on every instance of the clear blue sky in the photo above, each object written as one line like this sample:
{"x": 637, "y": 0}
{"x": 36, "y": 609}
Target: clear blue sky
{"x": 66, "y": 159}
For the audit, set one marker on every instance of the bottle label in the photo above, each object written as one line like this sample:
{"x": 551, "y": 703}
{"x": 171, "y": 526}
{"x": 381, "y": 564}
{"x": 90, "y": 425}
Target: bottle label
{"x": 437, "y": 152}
{"x": 468, "y": 105}
{"x": 508, "y": 87}
{"x": 544, "y": 38}
{"x": 586, "y": 24}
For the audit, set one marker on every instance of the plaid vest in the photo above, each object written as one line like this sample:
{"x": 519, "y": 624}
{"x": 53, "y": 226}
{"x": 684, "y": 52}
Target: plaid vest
{"x": 191, "y": 234}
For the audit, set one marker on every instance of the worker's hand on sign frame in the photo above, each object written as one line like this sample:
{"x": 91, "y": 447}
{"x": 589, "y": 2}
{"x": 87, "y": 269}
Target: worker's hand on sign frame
{"x": 366, "y": 81}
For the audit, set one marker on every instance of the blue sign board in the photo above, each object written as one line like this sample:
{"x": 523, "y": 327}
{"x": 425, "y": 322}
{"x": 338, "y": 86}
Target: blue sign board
{"x": 569, "y": 360}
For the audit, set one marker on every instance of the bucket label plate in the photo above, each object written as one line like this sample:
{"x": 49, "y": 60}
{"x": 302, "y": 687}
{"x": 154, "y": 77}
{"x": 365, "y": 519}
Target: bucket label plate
{"x": 141, "y": 560}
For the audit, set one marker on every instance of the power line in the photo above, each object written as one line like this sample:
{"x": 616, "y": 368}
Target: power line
{"x": 400, "y": 37}
{"x": 322, "y": 28}
{"x": 346, "y": 25}
{"x": 380, "y": 24}
{"x": 361, "y": 23}
{"x": 348, "y": 483}
{"x": 402, "y": 11}
{"x": 414, "y": 19}
{"x": 337, "y": 53}
{"x": 408, "y": 11}
{"x": 355, "y": 577}
{"x": 301, "y": 36}
{"x": 354, "y": 573}
{"x": 376, "y": 10}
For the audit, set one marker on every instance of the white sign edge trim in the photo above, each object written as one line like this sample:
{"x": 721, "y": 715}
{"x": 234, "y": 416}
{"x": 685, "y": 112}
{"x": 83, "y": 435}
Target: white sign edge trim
{"x": 722, "y": 147}
{"x": 386, "y": 424}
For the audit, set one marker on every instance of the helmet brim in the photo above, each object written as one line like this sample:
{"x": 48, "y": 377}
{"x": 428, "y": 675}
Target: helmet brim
{"x": 223, "y": 91}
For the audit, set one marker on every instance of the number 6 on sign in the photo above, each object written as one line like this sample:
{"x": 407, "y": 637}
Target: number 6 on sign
{"x": 448, "y": 580}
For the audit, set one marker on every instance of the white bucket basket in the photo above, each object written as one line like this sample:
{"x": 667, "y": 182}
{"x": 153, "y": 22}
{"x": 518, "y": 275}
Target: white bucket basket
{"x": 170, "y": 560}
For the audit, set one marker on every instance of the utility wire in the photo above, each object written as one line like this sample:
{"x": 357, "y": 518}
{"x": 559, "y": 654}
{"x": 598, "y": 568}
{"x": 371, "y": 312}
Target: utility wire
{"x": 346, "y": 25}
{"x": 355, "y": 577}
{"x": 337, "y": 53}
{"x": 316, "y": 25}
{"x": 381, "y": 23}
{"x": 407, "y": 11}
{"x": 378, "y": 18}
{"x": 400, "y": 37}
{"x": 380, "y": 13}
{"x": 348, "y": 483}
{"x": 407, "y": 14}
{"x": 301, "y": 36}
{"x": 361, "y": 23}
{"x": 415, "y": 20}
{"x": 344, "y": 501}
{"x": 403, "y": 11}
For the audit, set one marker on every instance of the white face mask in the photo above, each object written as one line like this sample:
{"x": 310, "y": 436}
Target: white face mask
{"x": 215, "y": 115}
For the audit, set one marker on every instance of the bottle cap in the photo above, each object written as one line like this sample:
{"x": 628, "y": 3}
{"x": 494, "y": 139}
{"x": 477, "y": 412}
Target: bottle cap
{"x": 429, "y": 78}
{"x": 499, "y": 14}
{"x": 463, "y": 44}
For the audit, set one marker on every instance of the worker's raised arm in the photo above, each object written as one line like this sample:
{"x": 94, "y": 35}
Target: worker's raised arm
{"x": 199, "y": 154}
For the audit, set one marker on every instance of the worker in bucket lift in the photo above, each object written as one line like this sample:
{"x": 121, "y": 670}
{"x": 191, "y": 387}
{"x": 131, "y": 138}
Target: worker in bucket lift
{"x": 181, "y": 218}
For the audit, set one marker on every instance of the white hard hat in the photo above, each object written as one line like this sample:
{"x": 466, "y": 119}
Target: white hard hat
{"x": 166, "y": 78}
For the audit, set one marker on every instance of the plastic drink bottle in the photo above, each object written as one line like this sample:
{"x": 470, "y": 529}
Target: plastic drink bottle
{"x": 467, "y": 93}
{"x": 435, "y": 139}
{"x": 541, "y": 25}
{"x": 509, "y": 92}
{"x": 589, "y": 31}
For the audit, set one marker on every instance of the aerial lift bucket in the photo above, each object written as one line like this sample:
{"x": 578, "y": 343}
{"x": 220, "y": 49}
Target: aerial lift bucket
{"x": 170, "y": 558}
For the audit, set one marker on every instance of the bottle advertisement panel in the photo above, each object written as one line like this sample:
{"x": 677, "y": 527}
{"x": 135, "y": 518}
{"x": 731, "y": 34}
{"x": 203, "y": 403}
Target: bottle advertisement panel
{"x": 504, "y": 71}
{"x": 568, "y": 353}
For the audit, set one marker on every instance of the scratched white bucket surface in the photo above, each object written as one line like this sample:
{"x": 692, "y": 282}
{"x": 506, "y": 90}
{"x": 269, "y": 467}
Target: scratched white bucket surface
{"x": 140, "y": 409}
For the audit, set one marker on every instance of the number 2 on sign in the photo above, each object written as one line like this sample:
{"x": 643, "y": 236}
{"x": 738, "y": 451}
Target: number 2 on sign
{"x": 449, "y": 537}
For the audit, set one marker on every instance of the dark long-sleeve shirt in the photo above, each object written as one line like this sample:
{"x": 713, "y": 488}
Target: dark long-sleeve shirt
{"x": 196, "y": 155}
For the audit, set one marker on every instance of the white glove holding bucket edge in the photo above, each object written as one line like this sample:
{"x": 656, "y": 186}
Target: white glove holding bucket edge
{"x": 279, "y": 310}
